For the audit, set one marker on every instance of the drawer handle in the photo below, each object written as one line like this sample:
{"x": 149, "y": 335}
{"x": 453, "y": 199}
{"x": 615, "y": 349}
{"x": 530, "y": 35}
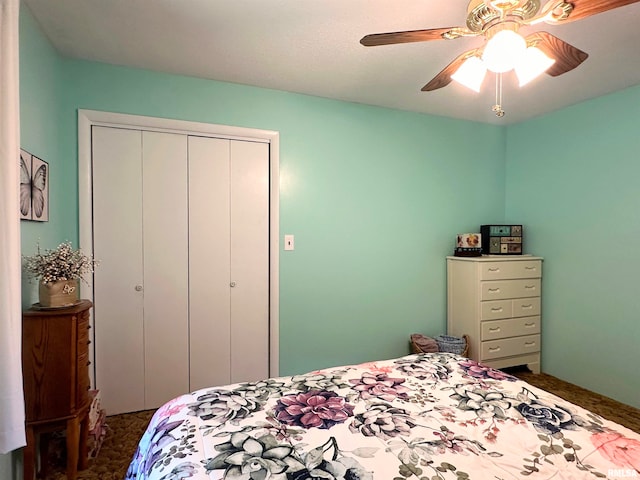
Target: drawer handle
{"x": 492, "y": 290}
{"x": 529, "y": 287}
{"x": 528, "y": 306}
{"x": 532, "y": 324}
{"x": 496, "y": 309}
{"x": 529, "y": 344}
{"x": 494, "y": 349}
{"x": 494, "y": 329}
{"x": 494, "y": 269}
{"x": 529, "y": 268}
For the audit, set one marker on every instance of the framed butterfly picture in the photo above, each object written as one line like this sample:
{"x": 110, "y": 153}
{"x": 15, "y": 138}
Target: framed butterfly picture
{"x": 34, "y": 188}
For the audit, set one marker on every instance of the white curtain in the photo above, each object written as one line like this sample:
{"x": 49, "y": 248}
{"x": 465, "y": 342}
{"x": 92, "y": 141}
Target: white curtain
{"x": 12, "y": 433}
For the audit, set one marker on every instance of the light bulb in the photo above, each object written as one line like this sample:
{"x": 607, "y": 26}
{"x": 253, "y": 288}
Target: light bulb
{"x": 533, "y": 63}
{"x": 471, "y": 73}
{"x": 503, "y": 51}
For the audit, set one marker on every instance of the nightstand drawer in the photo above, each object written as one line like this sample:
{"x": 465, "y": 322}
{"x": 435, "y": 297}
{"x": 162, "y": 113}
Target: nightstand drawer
{"x": 501, "y": 289}
{"x": 515, "y": 269}
{"x": 512, "y": 327}
{"x": 509, "y": 347}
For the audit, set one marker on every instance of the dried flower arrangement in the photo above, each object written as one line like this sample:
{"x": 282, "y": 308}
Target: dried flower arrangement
{"x": 62, "y": 263}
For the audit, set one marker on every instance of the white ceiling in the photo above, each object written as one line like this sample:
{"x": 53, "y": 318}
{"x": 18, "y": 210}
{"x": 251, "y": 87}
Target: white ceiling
{"x": 312, "y": 47}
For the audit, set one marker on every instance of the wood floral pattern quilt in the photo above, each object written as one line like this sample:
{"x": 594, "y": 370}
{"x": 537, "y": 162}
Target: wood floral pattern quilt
{"x": 432, "y": 416}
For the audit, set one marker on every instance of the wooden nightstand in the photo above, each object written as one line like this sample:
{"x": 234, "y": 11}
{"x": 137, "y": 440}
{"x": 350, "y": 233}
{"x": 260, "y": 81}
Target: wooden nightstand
{"x": 55, "y": 360}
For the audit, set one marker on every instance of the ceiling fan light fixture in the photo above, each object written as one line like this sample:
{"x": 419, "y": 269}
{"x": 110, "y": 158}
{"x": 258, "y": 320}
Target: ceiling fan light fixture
{"x": 533, "y": 63}
{"x": 471, "y": 73}
{"x": 503, "y": 51}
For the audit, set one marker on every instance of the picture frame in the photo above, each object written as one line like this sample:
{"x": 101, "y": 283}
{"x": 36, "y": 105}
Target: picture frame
{"x": 34, "y": 187}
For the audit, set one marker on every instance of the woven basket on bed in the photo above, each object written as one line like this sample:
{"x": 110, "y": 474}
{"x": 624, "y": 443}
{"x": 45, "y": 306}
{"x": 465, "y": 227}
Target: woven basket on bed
{"x": 457, "y": 345}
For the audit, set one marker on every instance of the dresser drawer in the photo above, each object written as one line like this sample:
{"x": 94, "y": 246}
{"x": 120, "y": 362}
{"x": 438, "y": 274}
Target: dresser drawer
{"x": 83, "y": 380}
{"x": 509, "y": 347}
{"x": 512, "y": 327}
{"x": 83, "y": 334}
{"x": 501, "y": 289}
{"x": 518, "y": 307}
{"x": 526, "y": 307}
{"x": 514, "y": 269}
{"x": 496, "y": 309}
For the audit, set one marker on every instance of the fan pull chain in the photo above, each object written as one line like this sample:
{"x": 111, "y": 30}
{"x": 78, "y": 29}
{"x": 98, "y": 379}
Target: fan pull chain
{"x": 497, "y": 108}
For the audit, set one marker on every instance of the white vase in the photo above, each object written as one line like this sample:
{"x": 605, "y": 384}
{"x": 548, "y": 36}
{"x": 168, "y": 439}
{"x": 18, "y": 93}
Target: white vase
{"x": 62, "y": 293}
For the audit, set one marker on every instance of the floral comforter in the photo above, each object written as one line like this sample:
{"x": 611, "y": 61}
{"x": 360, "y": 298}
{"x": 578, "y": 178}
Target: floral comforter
{"x": 421, "y": 417}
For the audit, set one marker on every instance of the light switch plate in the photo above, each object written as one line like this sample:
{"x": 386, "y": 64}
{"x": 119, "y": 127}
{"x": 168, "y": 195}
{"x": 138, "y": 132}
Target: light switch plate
{"x": 288, "y": 242}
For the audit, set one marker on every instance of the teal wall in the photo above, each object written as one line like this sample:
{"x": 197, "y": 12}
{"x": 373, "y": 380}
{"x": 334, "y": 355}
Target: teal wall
{"x": 374, "y": 197}
{"x": 8, "y": 469}
{"x": 40, "y": 82}
{"x": 572, "y": 178}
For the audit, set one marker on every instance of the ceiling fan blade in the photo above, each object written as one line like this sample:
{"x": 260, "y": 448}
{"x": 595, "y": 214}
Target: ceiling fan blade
{"x": 587, "y": 8}
{"x": 443, "y": 78}
{"x": 409, "y": 36}
{"x": 566, "y": 55}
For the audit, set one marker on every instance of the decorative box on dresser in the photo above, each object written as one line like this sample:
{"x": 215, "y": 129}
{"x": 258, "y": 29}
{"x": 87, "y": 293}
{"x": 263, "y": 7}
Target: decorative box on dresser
{"x": 495, "y": 300}
{"x": 55, "y": 361}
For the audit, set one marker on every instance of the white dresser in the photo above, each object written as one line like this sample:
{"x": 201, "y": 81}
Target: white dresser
{"x": 495, "y": 300}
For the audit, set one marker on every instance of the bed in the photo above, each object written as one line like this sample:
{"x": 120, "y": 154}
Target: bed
{"x": 430, "y": 416}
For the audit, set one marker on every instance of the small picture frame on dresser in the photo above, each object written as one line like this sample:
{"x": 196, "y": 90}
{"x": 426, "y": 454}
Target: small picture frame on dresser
{"x": 468, "y": 245}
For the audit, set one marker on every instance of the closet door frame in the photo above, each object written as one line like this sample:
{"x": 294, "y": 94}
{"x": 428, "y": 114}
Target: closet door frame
{"x": 89, "y": 118}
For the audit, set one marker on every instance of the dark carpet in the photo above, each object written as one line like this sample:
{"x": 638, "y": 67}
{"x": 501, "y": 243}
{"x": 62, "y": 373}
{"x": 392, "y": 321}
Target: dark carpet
{"x": 124, "y": 431}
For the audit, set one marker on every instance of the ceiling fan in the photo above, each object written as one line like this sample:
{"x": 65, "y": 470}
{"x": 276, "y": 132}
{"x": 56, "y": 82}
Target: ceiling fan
{"x": 499, "y": 21}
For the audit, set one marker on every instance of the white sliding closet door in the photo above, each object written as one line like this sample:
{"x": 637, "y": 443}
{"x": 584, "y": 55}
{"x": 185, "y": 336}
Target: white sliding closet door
{"x": 118, "y": 308}
{"x": 140, "y": 287}
{"x": 166, "y": 266}
{"x": 229, "y": 261}
{"x": 209, "y": 262}
{"x": 249, "y": 261}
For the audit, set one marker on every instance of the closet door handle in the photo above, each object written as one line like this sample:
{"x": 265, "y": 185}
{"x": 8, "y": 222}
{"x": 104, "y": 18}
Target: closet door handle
{"x": 138, "y": 288}
{"x": 232, "y": 284}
